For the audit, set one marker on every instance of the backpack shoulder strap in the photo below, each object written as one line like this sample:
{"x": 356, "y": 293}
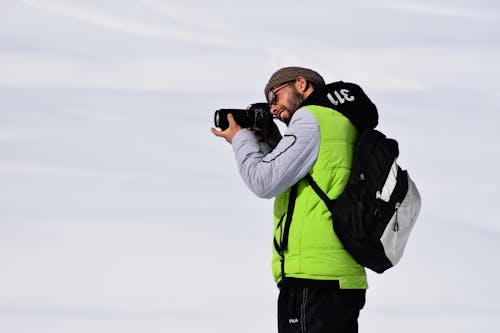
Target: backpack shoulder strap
{"x": 328, "y": 202}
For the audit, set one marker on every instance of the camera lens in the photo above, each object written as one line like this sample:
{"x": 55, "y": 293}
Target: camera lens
{"x": 220, "y": 119}
{"x": 216, "y": 119}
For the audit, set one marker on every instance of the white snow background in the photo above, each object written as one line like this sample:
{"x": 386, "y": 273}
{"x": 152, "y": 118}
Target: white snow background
{"x": 121, "y": 212}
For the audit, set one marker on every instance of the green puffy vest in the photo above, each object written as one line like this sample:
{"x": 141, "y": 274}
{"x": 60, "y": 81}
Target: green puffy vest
{"x": 313, "y": 250}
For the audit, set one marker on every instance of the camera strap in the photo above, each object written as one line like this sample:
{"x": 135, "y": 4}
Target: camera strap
{"x": 288, "y": 221}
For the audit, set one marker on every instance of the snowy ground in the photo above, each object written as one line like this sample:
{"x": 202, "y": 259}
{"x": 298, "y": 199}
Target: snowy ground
{"x": 121, "y": 212}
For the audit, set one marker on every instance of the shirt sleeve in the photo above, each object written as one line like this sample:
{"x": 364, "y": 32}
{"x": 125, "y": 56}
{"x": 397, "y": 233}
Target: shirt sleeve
{"x": 268, "y": 174}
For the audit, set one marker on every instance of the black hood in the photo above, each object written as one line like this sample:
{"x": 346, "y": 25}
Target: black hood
{"x": 348, "y": 99}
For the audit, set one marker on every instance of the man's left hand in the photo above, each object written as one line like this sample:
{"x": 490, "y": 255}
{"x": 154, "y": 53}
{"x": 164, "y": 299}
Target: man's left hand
{"x": 230, "y": 132}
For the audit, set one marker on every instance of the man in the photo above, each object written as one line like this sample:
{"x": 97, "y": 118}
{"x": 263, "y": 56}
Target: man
{"x": 322, "y": 288}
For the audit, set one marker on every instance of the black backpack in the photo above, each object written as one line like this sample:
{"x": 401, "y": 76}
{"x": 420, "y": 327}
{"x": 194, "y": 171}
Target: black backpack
{"x": 375, "y": 214}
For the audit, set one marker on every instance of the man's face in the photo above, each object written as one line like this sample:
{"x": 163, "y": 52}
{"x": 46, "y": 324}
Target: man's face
{"x": 287, "y": 101}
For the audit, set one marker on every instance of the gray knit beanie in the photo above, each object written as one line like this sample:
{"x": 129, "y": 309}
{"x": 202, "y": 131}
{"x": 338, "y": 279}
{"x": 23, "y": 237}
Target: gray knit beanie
{"x": 288, "y": 74}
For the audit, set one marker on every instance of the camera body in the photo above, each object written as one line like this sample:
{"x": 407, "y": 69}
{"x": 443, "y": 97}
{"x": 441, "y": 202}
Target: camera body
{"x": 257, "y": 117}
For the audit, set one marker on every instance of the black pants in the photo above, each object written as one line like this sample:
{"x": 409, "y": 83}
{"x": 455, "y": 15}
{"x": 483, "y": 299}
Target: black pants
{"x": 319, "y": 310}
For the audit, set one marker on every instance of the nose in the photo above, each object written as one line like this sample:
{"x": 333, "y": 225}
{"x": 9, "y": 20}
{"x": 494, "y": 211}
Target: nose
{"x": 274, "y": 109}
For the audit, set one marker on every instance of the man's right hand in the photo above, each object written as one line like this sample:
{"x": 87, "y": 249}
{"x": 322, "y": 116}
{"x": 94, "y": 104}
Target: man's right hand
{"x": 272, "y": 136}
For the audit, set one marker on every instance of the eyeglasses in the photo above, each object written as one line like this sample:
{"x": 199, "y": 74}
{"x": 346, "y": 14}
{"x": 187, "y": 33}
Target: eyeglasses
{"x": 271, "y": 95}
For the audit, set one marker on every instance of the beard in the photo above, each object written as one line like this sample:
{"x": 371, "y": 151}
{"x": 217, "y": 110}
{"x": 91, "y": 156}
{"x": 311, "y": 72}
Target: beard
{"x": 292, "y": 104}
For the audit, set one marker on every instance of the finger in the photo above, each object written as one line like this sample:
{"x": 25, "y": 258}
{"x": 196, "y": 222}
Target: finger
{"x": 216, "y": 132}
{"x": 260, "y": 135}
{"x": 233, "y": 125}
{"x": 230, "y": 120}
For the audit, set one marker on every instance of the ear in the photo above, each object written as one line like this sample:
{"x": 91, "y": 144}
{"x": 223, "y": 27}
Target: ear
{"x": 301, "y": 84}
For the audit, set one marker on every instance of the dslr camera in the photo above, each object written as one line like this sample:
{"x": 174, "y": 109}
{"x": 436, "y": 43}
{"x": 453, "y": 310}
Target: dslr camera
{"x": 257, "y": 117}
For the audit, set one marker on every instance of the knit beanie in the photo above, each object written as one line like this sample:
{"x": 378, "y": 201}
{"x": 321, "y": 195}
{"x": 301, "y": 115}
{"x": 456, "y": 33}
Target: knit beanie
{"x": 288, "y": 74}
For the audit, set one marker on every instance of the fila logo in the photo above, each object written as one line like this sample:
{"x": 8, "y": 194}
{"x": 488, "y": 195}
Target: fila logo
{"x": 293, "y": 321}
{"x": 341, "y": 97}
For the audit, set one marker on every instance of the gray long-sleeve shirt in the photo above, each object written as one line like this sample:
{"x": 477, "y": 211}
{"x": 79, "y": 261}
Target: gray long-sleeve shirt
{"x": 270, "y": 172}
